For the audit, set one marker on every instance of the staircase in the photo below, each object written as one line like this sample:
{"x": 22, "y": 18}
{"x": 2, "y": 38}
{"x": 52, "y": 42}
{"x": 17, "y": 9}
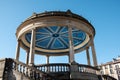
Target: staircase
{"x": 11, "y": 69}
{"x": 15, "y": 70}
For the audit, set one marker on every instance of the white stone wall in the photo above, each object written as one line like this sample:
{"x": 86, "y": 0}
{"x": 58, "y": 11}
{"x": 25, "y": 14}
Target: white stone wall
{"x": 105, "y": 68}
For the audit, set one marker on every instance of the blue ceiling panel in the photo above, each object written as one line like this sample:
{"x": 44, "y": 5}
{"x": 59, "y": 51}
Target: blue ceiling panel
{"x": 56, "y": 37}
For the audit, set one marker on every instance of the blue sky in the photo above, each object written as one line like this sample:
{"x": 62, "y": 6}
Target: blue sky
{"x": 103, "y": 14}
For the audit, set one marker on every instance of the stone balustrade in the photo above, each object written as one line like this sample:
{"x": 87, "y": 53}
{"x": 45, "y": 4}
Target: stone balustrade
{"x": 57, "y": 67}
{"x": 45, "y": 71}
{"x": 65, "y": 68}
{"x": 29, "y": 71}
{"x": 87, "y": 69}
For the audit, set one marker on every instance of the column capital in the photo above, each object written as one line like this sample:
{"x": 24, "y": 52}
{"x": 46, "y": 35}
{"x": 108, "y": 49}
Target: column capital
{"x": 18, "y": 40}
{"x": 47, "y": 55}
{"x": 34, "y": 28}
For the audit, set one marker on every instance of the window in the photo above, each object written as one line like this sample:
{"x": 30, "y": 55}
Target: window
{"x": 110, "y": 66}
{"x": 102, "y": 72}
{"x": 106, "y": 67}
{"x": 116, "y": 66}
{"x": 111, "y": 71}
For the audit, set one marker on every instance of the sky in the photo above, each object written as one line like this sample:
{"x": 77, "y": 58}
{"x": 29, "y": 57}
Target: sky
{"x": 104, "y": 15}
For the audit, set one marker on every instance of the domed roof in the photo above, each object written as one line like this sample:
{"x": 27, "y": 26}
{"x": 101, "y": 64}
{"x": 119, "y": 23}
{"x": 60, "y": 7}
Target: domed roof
{"x": 68, "y": 13}
{"x": 52, "y": 34}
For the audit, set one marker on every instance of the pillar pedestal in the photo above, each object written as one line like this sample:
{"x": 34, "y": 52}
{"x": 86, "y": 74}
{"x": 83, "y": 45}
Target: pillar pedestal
{"x": 74, "y": 69}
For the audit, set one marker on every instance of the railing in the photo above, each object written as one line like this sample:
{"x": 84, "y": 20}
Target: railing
{"x": 44, "y": 71}
{"x": 54, "y": 67}
{"x": 65, "y": 68}
{"x": 29, "y": 71}
{"x": 87, "y": 69}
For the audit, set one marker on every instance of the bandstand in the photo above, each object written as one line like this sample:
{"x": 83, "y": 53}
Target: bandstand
{"x": 58, "y": 33}
{"x": 53, "y": 33}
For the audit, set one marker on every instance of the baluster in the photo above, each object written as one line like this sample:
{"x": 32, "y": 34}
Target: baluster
{"x": 51, "y": 68}
{"x": 24, "y": 70}
{"x": 34, "y": 74}
{"x": 83, "y": 69}
{"x": 68, "y": 68}
{"x": 44, "y": 68}
{"x": 58, "y": 68}
{"x": 39, "y": 67}
{"x": 87, "y": 70}
{"x": 26, "y": 73}
{"x": 15, "y": 65}
{"x": 31, "y": 73}
{"x": 80, "y": 68}
{"x": 64, "y": 68}
{"x": 48, "y": 68}
{"x": 55, "y": 68}
{"x": 20, "y": 67}
{"x": 61, "y": 68}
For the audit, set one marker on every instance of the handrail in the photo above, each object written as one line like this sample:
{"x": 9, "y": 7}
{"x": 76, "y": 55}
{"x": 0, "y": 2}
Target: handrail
{"x": 63, "y": 67}
{"x": 87, "y": 68}
{"x": 44, "y": 71}
{"x": 54, "y": 67}
{"x": 29, "y": 71}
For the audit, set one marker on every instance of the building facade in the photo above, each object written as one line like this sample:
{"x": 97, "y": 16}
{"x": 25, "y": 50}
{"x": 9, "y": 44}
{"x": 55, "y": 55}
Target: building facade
{"x": 111, "y": 68}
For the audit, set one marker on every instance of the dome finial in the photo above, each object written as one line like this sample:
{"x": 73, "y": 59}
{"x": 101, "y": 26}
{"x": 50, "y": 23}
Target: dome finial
{"x": 69, "y": 11}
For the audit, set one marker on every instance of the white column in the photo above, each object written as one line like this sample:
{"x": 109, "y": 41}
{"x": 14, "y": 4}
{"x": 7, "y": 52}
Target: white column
{"x": 88, "y": 56}
{"x": 27, "y": 56}
{"x": 18, "y": 50}
{"x": 71, "y": 46}
{"x": 32, "y": 47}
{"x": 47, "y": 59}
{"x": 93, "y": 53}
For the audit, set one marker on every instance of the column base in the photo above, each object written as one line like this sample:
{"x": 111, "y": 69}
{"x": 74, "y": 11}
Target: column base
{"x": 31, "y": 64}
